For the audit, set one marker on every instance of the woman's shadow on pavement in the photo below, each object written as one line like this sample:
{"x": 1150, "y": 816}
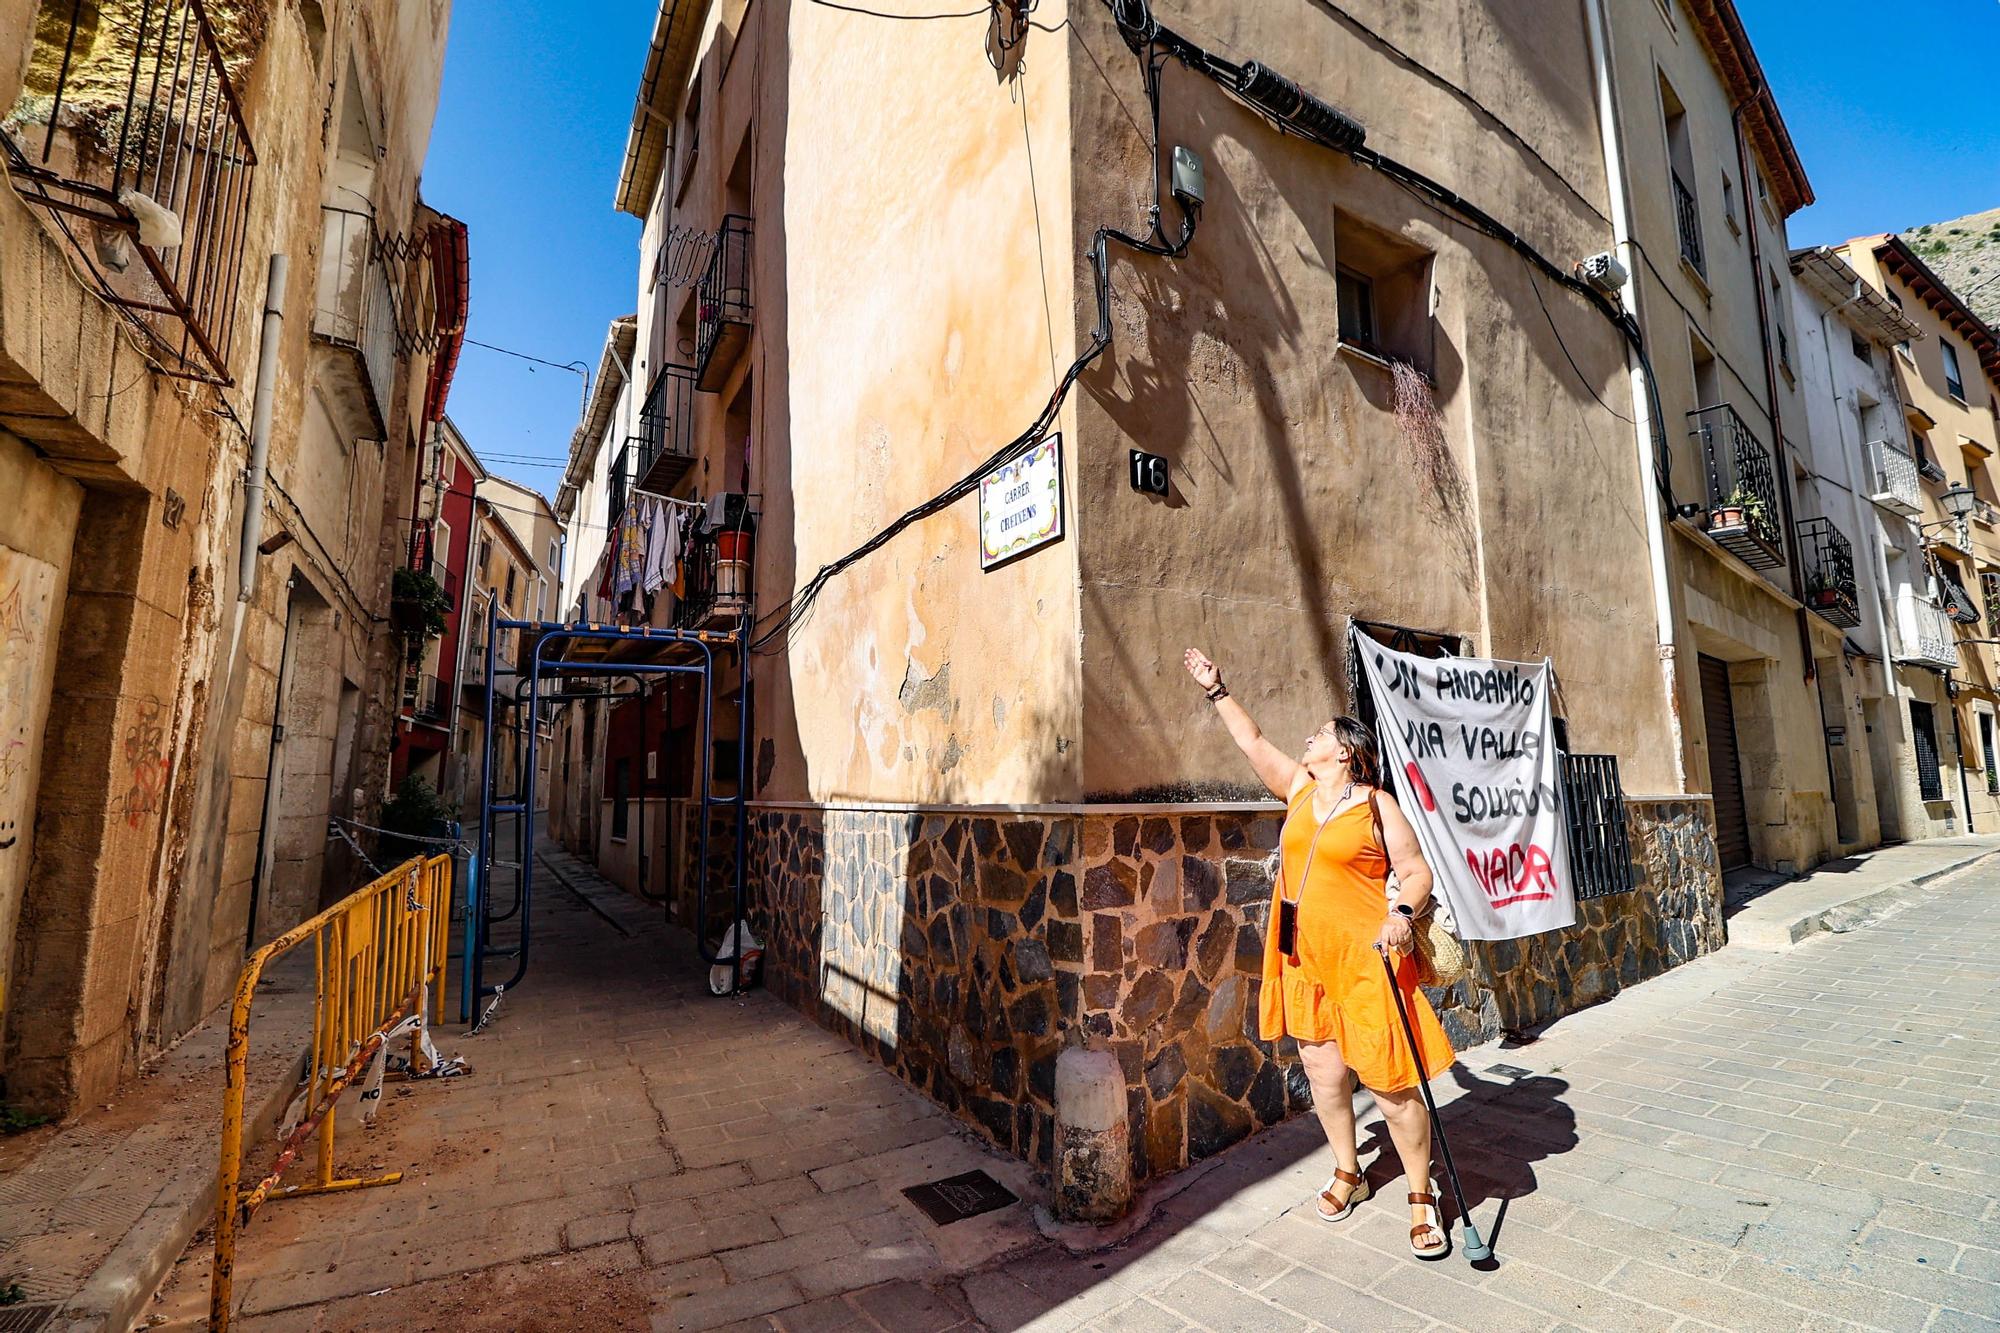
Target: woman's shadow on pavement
{"x": 1498, "y": 1129}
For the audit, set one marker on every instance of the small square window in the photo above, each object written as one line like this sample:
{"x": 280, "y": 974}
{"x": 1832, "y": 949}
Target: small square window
{"x": 1862, "y": 351}
{"x": 1382, "y": 286}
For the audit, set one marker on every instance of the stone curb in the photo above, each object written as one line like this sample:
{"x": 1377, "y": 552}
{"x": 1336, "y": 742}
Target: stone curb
{"x": 1857, "y": 912}
{"x": 112, "y": 1299}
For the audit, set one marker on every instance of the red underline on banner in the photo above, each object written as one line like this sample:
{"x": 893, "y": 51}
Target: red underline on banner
{"x": 1523, "y": 898}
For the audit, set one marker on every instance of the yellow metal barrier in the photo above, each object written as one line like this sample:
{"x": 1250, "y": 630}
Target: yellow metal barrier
{"x": 378, "y": 959}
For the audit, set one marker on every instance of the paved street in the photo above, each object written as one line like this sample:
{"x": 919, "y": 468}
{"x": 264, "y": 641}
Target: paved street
{"x": 1806, "y": 1139}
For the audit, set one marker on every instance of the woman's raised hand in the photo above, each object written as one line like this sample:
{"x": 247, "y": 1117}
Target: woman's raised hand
{"x": 1205, "y": 672}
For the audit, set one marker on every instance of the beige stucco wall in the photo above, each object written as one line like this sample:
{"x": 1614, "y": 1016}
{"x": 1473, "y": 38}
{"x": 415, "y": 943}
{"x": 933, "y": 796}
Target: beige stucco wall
{"x": 1297, "y": 503}
{"x": 926, "y": 265}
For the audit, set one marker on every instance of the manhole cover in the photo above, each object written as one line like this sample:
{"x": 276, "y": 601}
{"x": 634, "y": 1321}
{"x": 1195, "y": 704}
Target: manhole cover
{"x": 25, "y": 1318}
{"x": 960, "y": 1197}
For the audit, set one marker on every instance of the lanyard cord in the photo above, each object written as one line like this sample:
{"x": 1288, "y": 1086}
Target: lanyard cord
{"x": 1312, "y": 850}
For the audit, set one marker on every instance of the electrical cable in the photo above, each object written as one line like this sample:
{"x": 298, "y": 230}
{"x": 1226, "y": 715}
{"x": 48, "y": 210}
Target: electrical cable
{"x": 913, "y": 18}
{"x": 795, "y": 609}
{"x": 1155, "y": 44}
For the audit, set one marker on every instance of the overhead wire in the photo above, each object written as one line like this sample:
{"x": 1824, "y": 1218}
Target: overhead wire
{"x": 1155, "y": 44}
{"x": 791, "y": 613}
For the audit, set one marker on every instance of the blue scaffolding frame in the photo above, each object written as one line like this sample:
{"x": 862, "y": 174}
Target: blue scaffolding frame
{"x": 639, "y": 654}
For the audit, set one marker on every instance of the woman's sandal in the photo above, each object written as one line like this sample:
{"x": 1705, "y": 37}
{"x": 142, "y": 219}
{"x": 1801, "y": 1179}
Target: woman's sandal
{"x": 1434, "y": 1226}
{"x": 1357, "y": 1190}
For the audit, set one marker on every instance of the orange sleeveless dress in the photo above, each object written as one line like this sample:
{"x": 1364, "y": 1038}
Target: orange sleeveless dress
{"x": 1337, "y": 991}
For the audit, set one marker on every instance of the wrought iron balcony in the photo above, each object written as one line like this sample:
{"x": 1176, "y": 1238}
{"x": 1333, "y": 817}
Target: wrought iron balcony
{"x": 1742, "y": 488}
{"x": 355, "y": 306}
{"x": 1687, "y": 217}
{"x": 722, "y": 325}
{"x": 431, "y": 703}
{"x": 666, "y": 429}
{"x": 1894, "y": 479}
{"x": 717, "y": 589}
{"x": 1927, "y": 637}
{"x": 128, "y": 131}
{"x": 1829, "y": 570}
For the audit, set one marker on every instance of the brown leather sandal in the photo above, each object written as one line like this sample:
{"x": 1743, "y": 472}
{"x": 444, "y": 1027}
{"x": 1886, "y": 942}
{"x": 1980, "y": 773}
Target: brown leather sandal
{"x": 1433, "y": 1227}
{"x": 1357, "y": 1191}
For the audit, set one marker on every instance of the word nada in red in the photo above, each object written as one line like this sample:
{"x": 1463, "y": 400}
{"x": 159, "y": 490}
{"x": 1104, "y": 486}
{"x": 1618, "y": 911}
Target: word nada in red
{"x": 1513, "y": 874}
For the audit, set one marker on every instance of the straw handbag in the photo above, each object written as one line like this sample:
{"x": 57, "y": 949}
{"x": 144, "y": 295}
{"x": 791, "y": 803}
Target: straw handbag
{"x": 1441, "y": 958}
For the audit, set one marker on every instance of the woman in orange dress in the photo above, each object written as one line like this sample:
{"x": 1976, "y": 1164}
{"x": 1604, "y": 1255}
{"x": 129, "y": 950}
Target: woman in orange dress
{"x": 1331, "y": 924}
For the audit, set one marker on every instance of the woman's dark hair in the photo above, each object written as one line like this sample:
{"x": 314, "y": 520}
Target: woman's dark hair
{"x": 1365, "y": 757}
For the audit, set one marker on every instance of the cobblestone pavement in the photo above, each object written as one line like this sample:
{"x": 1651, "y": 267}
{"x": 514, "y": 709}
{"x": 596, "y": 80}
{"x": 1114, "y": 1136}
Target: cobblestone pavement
{"x": 1800, "y": 1140}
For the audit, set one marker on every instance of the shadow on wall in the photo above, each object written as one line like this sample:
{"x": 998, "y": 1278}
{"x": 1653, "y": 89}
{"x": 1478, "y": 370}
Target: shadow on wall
{"x": 944, "y": 944}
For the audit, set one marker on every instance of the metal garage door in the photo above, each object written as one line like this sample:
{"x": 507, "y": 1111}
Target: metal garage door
{"x": 1732, "y": 826}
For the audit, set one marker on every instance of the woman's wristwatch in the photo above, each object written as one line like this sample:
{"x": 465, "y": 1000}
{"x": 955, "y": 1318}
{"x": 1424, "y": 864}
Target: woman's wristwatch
{"x": 1219, "y": 693}
{"x": 1404, "y": 910}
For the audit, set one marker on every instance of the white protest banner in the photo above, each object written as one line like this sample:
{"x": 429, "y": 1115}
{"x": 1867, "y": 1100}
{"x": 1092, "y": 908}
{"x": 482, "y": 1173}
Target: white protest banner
{"x": 1474, "y": 758}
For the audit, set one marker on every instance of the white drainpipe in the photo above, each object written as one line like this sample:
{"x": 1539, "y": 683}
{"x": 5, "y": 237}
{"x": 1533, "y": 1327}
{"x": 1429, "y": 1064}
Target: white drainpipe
{"x": 260, "y": 427}
{"x": 1642, "y": 409}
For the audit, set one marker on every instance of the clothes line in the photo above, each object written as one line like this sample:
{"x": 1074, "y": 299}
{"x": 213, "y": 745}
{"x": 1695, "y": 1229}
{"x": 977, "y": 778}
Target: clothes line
{"x": 669, "y": 499}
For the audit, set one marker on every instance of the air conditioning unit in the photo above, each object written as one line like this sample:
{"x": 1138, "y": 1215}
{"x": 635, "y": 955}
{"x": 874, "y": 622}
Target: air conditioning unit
{"x": 1604, "y": 272}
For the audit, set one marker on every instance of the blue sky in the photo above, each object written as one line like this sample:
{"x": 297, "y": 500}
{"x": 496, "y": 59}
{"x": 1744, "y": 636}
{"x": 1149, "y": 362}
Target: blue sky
{"x": 1889, "y": 105}
{"x": 529, "y": 136}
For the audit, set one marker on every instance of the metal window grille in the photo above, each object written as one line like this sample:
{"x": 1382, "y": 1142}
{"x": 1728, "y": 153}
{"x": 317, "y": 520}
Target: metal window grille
{"x": 144, "y": 142}
{"x": 1989, "y": 589}
{"x": 1930, "y": 781}
{"x": 1600, "y": 846}
{"x": 1687, "y": 216}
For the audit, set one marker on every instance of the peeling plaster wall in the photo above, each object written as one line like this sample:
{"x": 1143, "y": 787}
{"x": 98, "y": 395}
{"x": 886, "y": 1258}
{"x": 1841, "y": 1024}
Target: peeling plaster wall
{"x": 905, "y": 353}
{"x": 151, "y": 797}
{"x": 1297, "y": 500}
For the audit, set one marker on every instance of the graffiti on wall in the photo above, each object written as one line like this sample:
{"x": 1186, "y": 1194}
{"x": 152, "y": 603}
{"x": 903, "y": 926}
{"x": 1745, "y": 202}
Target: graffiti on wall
{"x": 27, "y": 586}
{"x": 145, "y": 760}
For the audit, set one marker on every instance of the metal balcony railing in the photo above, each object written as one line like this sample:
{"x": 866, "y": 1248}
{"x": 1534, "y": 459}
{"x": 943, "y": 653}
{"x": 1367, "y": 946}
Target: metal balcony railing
{"x": 1743, "y": 515}
{"x": 1989, "y": 594}
{"x": 129, "y": 132}
{"x": 715, "y": 589}
{"x": 722, "y": 324}
{"x": 355, "y": 306}
{"x": 1894, "y": 475}
{"x": 430, "y": 701}
{"x": 1687, "y": 219}
{"x": 1927, "y": 637}
{"x": 1829, "y": 570}
{"x": 666, "y": 429}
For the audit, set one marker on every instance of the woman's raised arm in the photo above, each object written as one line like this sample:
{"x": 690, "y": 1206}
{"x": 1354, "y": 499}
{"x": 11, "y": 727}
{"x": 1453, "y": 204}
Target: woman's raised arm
{"x": 1277, "y": 770}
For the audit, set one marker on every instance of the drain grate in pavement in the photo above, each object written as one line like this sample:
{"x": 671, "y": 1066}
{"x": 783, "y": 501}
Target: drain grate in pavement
{"x": 959, "y": 1197}
{"x": 25, "y": 1318}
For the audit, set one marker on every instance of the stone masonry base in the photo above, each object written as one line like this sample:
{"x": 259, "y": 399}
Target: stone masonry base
{"x": 966, "y": 950}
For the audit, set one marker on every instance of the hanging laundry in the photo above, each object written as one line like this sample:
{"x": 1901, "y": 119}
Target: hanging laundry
{"x": 658, "y": 551}
{"x": 630, "y": 558}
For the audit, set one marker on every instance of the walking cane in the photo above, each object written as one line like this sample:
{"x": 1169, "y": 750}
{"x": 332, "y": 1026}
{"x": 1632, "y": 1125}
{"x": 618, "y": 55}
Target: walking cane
{"x": 1476, "y": 1249}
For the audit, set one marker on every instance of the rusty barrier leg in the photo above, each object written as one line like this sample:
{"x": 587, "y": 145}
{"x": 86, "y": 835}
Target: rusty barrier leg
{"x": 378, "y": 959}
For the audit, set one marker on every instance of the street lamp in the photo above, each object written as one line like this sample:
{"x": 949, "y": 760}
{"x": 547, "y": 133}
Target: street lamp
{"x": 1959, "y": 502}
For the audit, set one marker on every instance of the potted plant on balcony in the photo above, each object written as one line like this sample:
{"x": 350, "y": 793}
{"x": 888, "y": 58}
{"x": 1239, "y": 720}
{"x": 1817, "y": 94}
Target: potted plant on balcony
{"x": 1739, "y": 509}
{"x": 1821, "y": 592}
{"x": 418, "y": 604}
